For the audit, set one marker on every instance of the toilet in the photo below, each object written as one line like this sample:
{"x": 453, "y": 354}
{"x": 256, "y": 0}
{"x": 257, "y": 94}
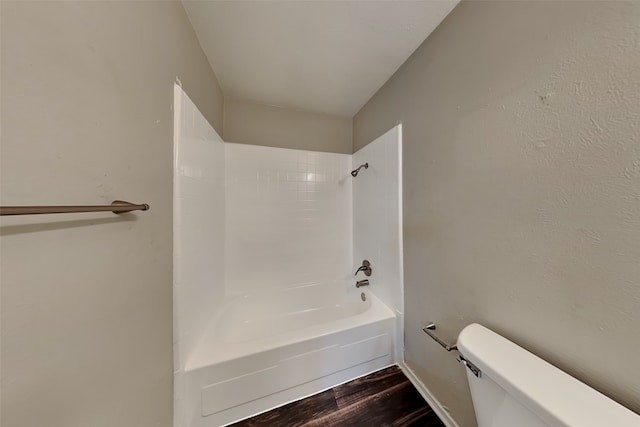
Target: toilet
{"x": 511, "y": 387}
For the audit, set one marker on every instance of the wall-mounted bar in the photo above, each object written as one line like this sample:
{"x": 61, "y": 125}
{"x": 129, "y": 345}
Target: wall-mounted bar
{"x": 432, "y": 327}
{"x": 117, "y": 206}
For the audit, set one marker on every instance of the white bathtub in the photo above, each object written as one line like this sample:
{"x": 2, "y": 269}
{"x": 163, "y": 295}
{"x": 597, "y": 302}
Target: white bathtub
{"x": 263, "y": 351}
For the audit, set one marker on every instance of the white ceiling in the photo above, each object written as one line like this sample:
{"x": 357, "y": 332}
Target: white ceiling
{"x": 321, "y": 56}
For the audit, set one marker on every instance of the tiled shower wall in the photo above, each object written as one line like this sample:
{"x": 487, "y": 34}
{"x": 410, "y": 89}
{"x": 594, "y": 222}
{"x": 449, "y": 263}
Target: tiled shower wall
{"x": 199, "y": 222}
{"x": 377, "y": 219}
{"x": 250, "y": 219}
{"x": 288, "y": 218}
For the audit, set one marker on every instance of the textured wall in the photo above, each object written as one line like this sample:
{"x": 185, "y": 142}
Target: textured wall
{"x": 521, "y": 135}
{"x": 251, "y": 123}
{"x": 87, "y": 93}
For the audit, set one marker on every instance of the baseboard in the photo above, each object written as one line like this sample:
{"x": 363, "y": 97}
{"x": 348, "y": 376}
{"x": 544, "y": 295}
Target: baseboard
{"x": 437, "y": 407}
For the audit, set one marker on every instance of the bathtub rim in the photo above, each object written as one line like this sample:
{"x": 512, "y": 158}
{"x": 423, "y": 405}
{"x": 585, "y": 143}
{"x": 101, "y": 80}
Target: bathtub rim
{"x": 316, "y": 296}
{"x": 209, "y": 350}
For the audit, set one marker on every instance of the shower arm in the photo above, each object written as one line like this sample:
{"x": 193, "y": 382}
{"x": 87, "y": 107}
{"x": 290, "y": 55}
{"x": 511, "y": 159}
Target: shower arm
{"x": 355, "y": 172}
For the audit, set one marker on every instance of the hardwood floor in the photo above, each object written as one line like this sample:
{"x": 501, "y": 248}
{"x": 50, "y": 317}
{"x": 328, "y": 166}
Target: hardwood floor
{"x": 384, "y": 398}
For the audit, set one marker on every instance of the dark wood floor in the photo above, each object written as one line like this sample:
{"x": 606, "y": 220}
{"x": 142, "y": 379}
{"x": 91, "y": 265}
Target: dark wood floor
{"x": 384, "y": 398}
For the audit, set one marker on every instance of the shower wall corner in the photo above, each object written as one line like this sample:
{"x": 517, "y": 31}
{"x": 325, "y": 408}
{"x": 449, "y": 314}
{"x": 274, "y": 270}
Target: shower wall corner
{"x": 198, "y": 233}
{"x": 377, "y": 222}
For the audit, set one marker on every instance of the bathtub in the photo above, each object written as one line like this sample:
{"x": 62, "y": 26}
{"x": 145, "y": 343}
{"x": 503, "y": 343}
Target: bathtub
{"x": 262, "y": 351}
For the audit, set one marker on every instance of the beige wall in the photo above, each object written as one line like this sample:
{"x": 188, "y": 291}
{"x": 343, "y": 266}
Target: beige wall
{"x": 251, "y": 123}
{"x": 521, "y": 125}
{"x": 87, "y": 92}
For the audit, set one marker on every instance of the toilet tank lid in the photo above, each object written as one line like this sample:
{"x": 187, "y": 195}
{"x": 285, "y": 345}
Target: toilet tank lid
{"x": 552, "y": 394}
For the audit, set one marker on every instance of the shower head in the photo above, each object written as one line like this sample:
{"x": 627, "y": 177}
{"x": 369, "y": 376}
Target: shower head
{"x": 354, "y": 173}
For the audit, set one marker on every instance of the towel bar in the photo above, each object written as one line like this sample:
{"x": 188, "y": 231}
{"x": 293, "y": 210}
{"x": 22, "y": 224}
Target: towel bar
{"x": 432, "y": 327}
{"x": 117, "y": 206}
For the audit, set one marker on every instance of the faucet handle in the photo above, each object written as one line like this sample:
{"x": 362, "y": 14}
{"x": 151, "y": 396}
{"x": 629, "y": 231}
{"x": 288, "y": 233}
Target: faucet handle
{"x": 366, "y": 267}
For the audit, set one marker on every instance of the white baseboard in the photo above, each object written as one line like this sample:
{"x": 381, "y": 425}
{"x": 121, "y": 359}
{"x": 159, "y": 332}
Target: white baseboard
{"x": 437, "y": 407}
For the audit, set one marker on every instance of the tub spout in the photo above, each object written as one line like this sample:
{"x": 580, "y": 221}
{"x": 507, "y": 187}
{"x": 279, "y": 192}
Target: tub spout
{"x": 364, "y": 282}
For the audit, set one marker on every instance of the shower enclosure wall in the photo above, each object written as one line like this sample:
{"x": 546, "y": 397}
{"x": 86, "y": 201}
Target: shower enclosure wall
{"x": 266, "y": 243}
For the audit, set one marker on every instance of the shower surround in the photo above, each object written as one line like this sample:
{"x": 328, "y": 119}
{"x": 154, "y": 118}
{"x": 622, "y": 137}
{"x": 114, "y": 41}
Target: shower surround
{"x": 265, "y": 307}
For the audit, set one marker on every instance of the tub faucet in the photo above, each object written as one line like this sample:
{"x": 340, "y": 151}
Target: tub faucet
{"x": 366, "y": 267}
{"x": 364, "y": 282}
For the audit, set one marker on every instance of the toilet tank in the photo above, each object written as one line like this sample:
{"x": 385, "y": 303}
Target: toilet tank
{"x": 517, "y": 388}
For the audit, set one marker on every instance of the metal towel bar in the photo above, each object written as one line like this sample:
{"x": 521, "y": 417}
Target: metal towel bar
{"x": 429, "y": 331}
{"x": 432, "y": 327}
{"x": 117, "y": 206}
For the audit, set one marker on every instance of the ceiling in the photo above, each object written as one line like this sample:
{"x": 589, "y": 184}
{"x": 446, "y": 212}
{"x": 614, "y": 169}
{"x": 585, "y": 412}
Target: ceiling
{"x": 320, "y": 56}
